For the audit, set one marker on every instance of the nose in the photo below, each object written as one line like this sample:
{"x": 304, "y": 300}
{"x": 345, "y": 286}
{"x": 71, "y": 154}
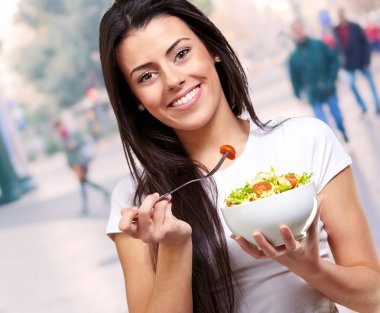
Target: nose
{"x": 174, "y": 77}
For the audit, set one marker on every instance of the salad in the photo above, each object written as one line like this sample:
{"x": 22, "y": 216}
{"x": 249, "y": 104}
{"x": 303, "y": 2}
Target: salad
{"x": 266, "y": 184}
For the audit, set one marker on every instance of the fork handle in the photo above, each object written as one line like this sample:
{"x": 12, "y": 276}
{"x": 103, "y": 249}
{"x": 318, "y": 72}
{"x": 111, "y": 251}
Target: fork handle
{"x": 196, "y": 179}
{"x": 164, "y": 196}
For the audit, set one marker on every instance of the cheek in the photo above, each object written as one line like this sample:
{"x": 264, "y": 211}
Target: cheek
{"x": 207, "y": 66}
{"x": 212, "y": 76}
{"x": 145, "y": 94}
{"x": 150, "y": 97}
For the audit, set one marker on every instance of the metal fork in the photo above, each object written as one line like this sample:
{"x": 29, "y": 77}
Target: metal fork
{"x": 217, "y": 166}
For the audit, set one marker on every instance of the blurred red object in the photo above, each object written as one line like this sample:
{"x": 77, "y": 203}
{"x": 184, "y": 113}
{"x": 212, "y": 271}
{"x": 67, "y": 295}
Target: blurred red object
{"x": 92, "y": 93}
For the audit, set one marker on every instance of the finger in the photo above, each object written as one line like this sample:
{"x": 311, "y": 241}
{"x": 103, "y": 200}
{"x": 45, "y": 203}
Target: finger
{"x": 290, "y": 242}
{"x": 126, "y": 210}
{"x": 159, "y": 210}
{"x": 247, "y": 247}
{"x": 167, "y": 196}
{"x": 168, "y": 216}
{"x": 264, "y": 245}
{"x": 145, "y": 209}
{"x": 126, "y": 221}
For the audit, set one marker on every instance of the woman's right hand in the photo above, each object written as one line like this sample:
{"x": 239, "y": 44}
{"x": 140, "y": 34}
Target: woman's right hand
{"x": 155, "y": 223}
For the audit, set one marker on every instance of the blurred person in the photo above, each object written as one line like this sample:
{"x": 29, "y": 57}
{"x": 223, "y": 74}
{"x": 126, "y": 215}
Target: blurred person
{"x": 79, "y": 156}
{"x": 372, "y": 31}
{"x": 354, "y": 50}
{"x": 178, "y": 92}
{"x": 313, "y": 70}
{"x": 328, "y": 37}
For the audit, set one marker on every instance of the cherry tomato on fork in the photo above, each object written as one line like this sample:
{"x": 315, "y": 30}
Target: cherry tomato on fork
{"x": 231, "y": 149}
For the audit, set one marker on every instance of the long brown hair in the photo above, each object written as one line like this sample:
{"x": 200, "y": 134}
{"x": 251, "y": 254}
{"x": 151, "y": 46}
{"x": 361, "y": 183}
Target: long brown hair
{"x": 164, "y": 161}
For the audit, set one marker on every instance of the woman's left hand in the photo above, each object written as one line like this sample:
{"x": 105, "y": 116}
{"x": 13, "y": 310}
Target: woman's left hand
{"x": 298, "y": 256}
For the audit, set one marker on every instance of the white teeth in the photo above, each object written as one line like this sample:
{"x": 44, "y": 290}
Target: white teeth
{"x": 186, "y": 98}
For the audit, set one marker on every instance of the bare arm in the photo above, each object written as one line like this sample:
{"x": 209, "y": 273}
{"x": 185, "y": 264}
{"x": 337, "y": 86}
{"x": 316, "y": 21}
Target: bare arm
{"x": 354, "y": 281}
{"x": 169, "y": 289}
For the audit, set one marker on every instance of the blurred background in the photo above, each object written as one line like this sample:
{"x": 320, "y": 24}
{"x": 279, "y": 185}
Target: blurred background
{"x": 55, "y": 259}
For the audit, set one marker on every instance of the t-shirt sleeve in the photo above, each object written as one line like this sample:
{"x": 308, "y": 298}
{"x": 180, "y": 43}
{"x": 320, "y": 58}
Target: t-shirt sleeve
{"x": 328, "y": 156}
{"x": 122, "y": 197}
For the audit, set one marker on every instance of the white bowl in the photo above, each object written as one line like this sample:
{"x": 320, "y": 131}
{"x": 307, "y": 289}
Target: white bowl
{"x": 296, "y": 208}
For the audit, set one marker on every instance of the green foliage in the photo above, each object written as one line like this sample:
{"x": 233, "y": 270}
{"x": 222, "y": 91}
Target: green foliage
{"x": 52, "y": 146}
{"x": 41, "y": 117}
{"x": 204, "y": 5}
{"x": 62, "y": 61}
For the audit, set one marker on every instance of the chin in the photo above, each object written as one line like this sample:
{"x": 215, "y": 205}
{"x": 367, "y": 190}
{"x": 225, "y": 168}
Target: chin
{"x": 195, "y": 123}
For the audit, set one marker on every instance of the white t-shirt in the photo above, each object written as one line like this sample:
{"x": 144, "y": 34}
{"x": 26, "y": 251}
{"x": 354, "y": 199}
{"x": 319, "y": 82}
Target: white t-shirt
{"x": 299, "y": 145}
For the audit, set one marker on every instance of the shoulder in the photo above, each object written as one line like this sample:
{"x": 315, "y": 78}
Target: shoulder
{"x": 310, "y": 130}
{"x": 316, "y": 142}
{"x": 317, "y": 43}
{"x": 309, "y": 124}
{"x": 356, "y": 27}
{"x": 122, "y": 197}
{"x": 307, "y": 134}
{"x": 293, "y": 129}
{"x": 314, "y": 41}
{"x": 123, "y": 192}
{"x": 301, "y": 126}
{"x": 301, "y": 144}
{"x": 293, "y": 56}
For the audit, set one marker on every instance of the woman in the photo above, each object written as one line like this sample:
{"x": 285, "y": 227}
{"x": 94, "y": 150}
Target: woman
{"x": 178, "y": 92}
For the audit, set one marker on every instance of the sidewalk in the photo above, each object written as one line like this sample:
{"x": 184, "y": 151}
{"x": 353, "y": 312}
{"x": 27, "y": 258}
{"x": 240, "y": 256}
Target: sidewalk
{"x": 55, "y": 261}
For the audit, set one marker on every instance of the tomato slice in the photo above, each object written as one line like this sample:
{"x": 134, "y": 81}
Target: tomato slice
{"x": 261, "y": 186}
{"x": 292, "y": 180}
{"x": 231, "y": 149}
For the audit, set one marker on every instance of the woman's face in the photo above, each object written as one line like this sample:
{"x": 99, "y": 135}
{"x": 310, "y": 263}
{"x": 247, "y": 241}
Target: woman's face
{"x": 171, "y": 73}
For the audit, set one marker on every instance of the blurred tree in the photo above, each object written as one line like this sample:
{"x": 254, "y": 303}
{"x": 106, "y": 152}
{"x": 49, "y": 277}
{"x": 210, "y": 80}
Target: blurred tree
{"x": 62, "y": 60}
{"x": 204, "y": 5}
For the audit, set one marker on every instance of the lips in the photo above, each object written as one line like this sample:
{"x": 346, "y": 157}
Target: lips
{"x": 186, "y": 98}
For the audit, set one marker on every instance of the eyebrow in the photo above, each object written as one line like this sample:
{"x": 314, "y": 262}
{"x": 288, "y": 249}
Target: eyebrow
{"x": 170, "y": 49}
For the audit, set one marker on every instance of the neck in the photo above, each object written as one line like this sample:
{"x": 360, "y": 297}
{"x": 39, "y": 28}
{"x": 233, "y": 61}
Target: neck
{"x": 224, "y": 128}
{"x": 302, "y": 40}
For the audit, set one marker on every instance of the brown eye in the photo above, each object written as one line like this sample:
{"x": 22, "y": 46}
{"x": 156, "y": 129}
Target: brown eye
{"x": 145, "y": 77}
{"x": 181, "y": 54}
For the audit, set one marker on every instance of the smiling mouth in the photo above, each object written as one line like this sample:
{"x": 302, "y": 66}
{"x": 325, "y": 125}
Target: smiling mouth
{"x": 186, "y": 98}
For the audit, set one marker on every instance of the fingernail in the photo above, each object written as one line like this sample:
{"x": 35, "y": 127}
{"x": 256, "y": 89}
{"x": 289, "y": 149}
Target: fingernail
{"x": 234, "y": 237}
{"x": 258, "y": 237}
